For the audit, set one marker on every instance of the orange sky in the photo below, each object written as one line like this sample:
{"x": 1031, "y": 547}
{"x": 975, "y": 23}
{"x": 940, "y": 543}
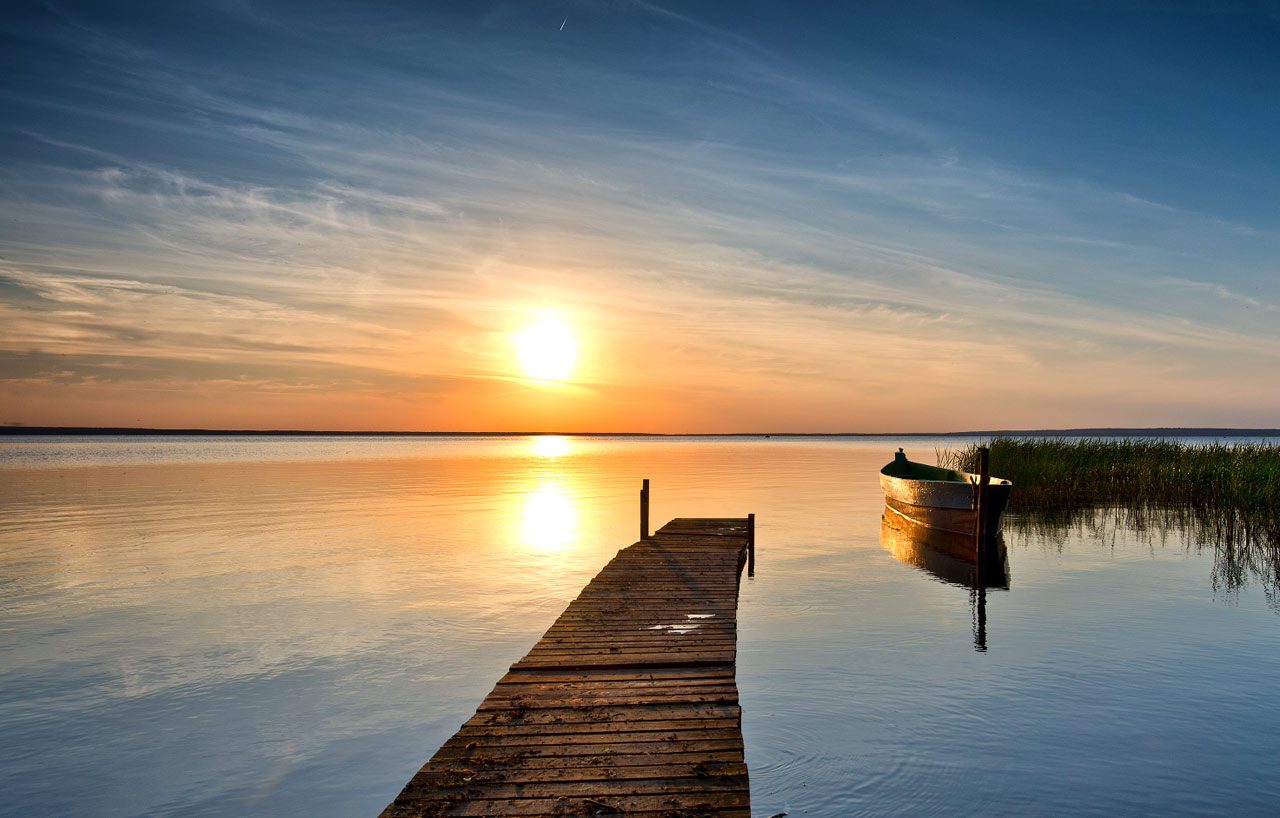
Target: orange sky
{"x": 753, "y": 365}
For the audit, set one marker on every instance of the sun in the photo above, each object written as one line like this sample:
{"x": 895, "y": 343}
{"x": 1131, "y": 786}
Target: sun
{"x": 547, "y": 350}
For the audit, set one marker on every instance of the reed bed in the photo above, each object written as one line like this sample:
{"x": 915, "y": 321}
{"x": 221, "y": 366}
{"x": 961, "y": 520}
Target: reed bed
{"x": 1226, "y": 494}
{"x": 1048, "y": 472}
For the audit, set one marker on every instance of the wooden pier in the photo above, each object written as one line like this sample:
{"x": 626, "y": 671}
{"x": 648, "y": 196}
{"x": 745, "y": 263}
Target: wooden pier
{"x": 626, "y": 706}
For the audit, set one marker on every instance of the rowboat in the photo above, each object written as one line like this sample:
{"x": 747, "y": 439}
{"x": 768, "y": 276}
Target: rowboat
{"x": 940, "y": 498}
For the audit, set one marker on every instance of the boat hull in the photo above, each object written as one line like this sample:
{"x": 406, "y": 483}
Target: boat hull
{"x": 944, "y": 505}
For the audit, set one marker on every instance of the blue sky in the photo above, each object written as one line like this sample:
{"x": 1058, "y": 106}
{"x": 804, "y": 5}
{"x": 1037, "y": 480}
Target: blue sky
{"x": 754, "y": 216}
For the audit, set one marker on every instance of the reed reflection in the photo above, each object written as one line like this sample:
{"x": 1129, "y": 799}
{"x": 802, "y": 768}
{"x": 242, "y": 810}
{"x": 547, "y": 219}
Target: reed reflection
{"x": 955, "y": 559}
{"x": 1241, "y": 552}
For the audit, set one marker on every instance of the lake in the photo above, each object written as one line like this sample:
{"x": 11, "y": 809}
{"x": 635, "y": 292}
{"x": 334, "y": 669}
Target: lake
{"x": 289, "y": 626}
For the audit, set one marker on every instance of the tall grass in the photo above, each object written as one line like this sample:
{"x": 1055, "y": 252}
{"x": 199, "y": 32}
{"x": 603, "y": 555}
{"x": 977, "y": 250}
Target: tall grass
{"x": 1224, "y": 495}
{"x": 1050, "y": 473}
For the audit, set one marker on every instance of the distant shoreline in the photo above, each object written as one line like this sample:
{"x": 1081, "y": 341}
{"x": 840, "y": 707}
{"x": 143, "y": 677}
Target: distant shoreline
{"x": 1089, "y": 432}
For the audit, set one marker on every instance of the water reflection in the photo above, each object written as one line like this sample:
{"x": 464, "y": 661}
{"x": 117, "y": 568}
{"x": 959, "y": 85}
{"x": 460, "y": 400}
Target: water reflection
{"x": 550, "y": 519}
{"x": 1241, "y": 551}
{"x": 550, "y": 445}
{"x": 952, "y": 558}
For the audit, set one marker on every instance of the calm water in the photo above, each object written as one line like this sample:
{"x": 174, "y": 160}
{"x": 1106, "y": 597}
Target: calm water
{"x": 281, "y": 627}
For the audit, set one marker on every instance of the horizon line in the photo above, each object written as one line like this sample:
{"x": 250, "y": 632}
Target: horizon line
{"x": 1135, "y": 431}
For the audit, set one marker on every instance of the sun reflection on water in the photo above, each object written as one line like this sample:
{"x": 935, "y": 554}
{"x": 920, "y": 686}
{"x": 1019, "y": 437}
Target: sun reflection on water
{"x": 550, "y": 445}
{"x": 550, "y": 518}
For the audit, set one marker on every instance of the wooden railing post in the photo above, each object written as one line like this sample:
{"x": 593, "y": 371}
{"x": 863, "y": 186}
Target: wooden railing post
{"x": 751, "y": 545}
{"x": 644, "y": 511}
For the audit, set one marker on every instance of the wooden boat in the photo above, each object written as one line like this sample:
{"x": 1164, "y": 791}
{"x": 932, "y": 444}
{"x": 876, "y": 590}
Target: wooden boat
{"x": 943, "y": 499}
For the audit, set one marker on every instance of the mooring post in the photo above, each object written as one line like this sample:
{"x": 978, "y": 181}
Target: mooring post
{"x": 644, "y": 511}
{"x": 984, "y": 476}
{"x": 751, "y": 545}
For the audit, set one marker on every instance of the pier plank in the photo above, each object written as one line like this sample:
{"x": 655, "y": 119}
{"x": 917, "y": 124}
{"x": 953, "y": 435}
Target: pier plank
{"x": 627, "y": 705}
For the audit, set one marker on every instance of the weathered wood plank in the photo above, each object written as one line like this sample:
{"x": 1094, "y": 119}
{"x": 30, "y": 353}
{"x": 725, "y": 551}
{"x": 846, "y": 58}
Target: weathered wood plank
{"x": 661, "y": 806}
{"x": 602, "y": 718}
{"x": 556, "y": 686}
{"x": 650, "y": 699}
{"x": 499, "y": 761}
{"x": 664, "y": 647}
{"x": 547, "y": 706}
{"x": 539, "y": 697}
{"x": 501, "y": 791}
{"x": 657, "y": 673}
{"x": 473, "y": 749}
{"x": 436, "y": 776}
{"x": 616, "y": 728}
{"x": 567, "y": 687}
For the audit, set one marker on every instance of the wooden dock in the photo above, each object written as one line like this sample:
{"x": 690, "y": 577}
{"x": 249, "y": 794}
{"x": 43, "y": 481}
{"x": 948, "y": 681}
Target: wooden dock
{"x": 626, "y": 706}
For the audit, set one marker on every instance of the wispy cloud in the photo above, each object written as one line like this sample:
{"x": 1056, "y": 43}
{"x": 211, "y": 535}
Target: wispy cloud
{"x": 732, "y": 211}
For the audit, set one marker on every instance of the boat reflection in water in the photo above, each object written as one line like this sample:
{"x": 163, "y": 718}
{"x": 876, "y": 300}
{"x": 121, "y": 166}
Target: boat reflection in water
{"x": 953, "y": 558}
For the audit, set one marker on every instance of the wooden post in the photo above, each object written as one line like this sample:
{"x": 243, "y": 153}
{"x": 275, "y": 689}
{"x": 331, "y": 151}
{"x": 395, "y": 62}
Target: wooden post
{"x": 984, "y": 477}
{"x": 644, "y": 511}
{"x": 751, "y": 545}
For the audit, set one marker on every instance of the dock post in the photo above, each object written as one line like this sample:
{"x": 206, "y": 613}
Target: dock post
{"x": 644, "y": 512}
{"x": 984, "y": 476}
{"x": 751, "y": 545}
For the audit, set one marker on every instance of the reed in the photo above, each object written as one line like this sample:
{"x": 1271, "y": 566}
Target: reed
{"x": 1232, "y": 491}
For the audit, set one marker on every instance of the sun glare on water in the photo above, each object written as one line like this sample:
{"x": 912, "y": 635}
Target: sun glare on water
{"x": 550, "y": 519}
{"x": 547, "y": 350}
{"x": 550, "y": 445}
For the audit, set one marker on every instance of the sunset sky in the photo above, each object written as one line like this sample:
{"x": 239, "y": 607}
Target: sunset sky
{"x": 746, "y": 216}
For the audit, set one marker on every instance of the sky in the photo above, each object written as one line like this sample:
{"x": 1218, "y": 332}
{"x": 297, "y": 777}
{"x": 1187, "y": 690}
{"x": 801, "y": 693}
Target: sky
{"x": 748, "y": 216}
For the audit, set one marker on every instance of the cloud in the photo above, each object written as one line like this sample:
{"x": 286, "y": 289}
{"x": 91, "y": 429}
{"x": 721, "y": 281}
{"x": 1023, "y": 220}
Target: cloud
{"x": 732, "y": 209}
